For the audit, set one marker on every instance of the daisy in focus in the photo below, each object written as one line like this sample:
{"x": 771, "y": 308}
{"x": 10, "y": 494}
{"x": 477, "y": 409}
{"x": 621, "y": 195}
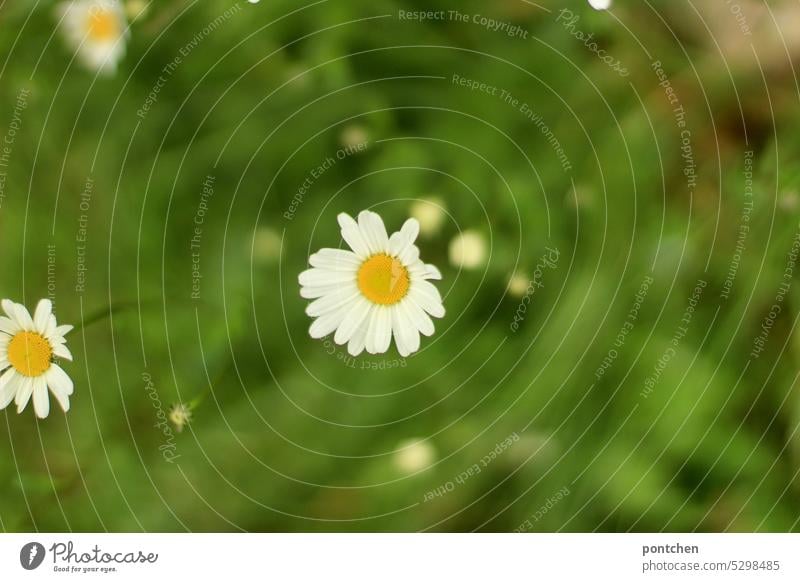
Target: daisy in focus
{"x": 27, "y": 348}
{"x": 97, "y": 30}
{"x": 378, "y": 290}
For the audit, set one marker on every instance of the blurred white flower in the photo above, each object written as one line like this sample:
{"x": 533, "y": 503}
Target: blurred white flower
{"x": 430, "y": 213}
{"x": 299, "y": 76}
{"x": 27, "y": 348}
{"x": 414, "y": 455}
{"x": 789, "y": 201}
{"x": 379, "y": 290}
{"x": 535, "y": 447}
{"x": 518, "y": 284}
{"x": 266, "y": 245}
{"x": 600, "y": 4}
{"x": 97, "y": 30}
{"x": 468, "y": 250}
{"x": 354, "y": 136}
{"x": 180, "y": 415}
{"x": 582, "y": 197}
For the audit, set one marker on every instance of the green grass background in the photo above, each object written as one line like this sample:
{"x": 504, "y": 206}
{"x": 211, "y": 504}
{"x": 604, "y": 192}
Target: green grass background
{"x": 285, "y": 436}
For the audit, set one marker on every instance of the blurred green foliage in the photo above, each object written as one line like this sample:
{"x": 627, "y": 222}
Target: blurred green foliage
{"x": 285, "y": 435}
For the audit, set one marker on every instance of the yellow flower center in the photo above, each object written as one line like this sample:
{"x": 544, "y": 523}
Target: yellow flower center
{"x": 102, "y": 25}
{"x": 383, "y": 279}
{"x": 30, "y": 353}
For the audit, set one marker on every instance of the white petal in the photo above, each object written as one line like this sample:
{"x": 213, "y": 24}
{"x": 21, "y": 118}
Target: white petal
{"x": 406, "y": 335}
{"x": 372, "y": 325}
{"x": 23, "y": 317}
{"x": 384, "y": 339}
{"x": 63, "y": 330}
{"x": 51, "y": 327}
{"x": 60, "y": 385}
{"x": 420, "y": 270}
{"x": 18, "y": 314}
{"x": 409, "y": 255}
{"x": 374, "y": 231}
{"x": 352, "y": 320}
{"x": 8, "y": 326}
{"x": 62, "y": 351}
{"x": 62, "y": 399}
{"x": 379, "y": 332}
{"x": 397, "y": 242}
{"x": 357, "y": 342}
{"x": 427, "y": 296}
{"x": 418, "y": 317}
{"x": 42, "y": 315}
{"x": 23, "y": 393}
{"x": 58, "y": 333}
{"x": 41, "y": 401}
{"x": 379, "y": 228}
{"x": 8, "y": 307}
{"x": 411, "y": 230}
{"x": 402, "y": 243}
{"x": 318, "y": 277}
{"x": 364, "y": 226}
{"x": 335, "y": 260}
{"x": 431, "y": 272}
{"x": 9, "y": 383}
{"x": 58, "y": 380}
{"x": 340, "y": 299}
{"x": 315, "y": 291}
{"x": 326, "y": 324}
{"x": 353, "y": 236}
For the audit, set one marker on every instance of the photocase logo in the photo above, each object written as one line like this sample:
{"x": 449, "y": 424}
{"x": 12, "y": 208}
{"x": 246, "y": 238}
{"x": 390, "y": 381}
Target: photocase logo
{"x": 31, "y": 555}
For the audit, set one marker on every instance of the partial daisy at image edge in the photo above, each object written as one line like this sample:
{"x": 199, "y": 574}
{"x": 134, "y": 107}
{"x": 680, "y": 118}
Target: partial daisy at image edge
{"x": 378, "y": 290}
{"x": 600, "y": 4}
{"x": 28, "y": 348}
{"x": 96, "y": 30}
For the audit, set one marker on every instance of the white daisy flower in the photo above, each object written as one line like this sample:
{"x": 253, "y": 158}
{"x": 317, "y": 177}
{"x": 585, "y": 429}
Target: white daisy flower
{"x": 97, "y": 30}
{"x": 600, "y": 4}
{"x": 377, "y": 291}
{"x": 27, "y": 348}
